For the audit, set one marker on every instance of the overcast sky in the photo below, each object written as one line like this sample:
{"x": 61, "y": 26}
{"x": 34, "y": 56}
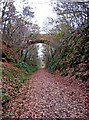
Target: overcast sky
{"x": 42, "y": 9}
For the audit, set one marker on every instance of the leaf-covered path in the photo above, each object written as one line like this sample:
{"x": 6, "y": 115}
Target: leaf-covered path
{"x": 49, "y": 95}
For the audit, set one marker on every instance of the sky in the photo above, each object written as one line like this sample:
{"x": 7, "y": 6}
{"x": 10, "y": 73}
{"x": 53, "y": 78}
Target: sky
{"x": 42, "y": 9}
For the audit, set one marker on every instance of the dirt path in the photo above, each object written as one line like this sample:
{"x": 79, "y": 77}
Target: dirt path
{"x": 49, "y": 95}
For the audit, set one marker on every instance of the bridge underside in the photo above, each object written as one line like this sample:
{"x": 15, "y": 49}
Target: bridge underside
{"x": 30, "y": 42}
{"x": 38, "y": 41}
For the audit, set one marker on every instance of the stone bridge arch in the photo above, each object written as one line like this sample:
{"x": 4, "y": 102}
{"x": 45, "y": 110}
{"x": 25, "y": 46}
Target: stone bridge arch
{"x": 42, "y": 38}
{"x": 48, "y": 42}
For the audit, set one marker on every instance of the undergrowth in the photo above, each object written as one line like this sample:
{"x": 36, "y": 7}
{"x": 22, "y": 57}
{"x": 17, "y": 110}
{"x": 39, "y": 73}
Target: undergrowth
{"x": 73, "y": 57}
{"x": 13, "y": 80}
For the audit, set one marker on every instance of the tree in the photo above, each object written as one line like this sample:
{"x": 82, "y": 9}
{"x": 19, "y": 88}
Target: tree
{"x": 73, "y": 13}
{"x": 73, "y": 39}
{"x": 10, "y": 19}
{"x": 16, "y": 29}
{"x": 27, "y": 11}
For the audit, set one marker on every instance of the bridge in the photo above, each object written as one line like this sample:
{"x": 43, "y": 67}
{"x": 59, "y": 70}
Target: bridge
{"x": 43, "y": 38}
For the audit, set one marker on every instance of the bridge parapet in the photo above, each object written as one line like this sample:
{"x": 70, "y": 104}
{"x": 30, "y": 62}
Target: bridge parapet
{"x": 42, "y": 38}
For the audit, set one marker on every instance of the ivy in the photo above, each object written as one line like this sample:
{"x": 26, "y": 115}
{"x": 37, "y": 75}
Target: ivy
{"x": 73, "y": 52}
